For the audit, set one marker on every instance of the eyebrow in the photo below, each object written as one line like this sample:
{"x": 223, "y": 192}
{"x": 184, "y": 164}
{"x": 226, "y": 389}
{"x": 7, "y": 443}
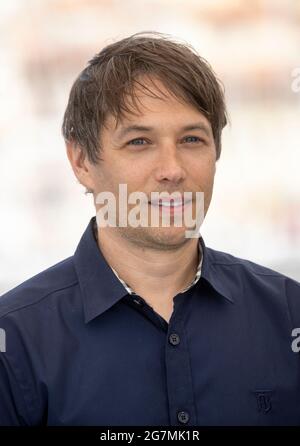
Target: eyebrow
{"x": 133, "y": 128}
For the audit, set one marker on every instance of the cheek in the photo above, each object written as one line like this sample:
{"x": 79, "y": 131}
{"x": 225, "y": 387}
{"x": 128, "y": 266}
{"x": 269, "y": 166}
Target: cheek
{"x": 114, "y": 174}
{"x": 107, "y": 175}
{"x": 126, "y": 169}
{"x": 203, "y": 176}
{"x": 134, "y": 174}
{"x": 211, "y": 175}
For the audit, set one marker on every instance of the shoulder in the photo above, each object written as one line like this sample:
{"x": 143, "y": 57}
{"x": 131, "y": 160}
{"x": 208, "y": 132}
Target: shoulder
{"x": 255, "y": 280}
{"x": 238, "y": 264}
{"x": 35, "y": 290}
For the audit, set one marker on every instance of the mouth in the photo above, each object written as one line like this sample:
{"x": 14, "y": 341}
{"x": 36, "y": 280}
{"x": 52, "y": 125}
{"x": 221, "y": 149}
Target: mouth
{"x": 170, "y": 206}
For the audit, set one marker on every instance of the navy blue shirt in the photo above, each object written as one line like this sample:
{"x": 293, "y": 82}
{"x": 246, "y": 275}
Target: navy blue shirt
{"x": 80, "y": 350}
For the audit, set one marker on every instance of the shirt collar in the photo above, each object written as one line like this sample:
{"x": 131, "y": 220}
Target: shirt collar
{"x": 193, "y": 282}
{"x": 100, "y": 286}
{"x": 132, "y": 292}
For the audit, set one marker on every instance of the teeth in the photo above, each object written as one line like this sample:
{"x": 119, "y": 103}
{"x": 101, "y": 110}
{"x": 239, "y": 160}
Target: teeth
{"x": 167, "y": 203}
{"x": 171, "y": 204}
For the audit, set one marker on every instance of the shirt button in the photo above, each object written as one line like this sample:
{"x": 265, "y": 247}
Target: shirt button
{"x": 174, "y": 339}
{"x": 183, "y": 417}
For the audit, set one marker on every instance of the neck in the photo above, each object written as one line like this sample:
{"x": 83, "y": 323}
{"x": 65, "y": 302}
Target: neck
{"x": 157, "y": 273}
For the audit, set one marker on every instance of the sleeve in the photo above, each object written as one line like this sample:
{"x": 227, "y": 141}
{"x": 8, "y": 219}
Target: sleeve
{"x": 21, "y": 404}
{"x": 293, "y": 298}
{"x": 12, "y": 404}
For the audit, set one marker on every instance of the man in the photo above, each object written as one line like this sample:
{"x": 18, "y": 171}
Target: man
{"x": 144, "y": 325}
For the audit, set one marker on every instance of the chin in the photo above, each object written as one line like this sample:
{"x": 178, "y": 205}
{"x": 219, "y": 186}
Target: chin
{"x": 171, "y": 236}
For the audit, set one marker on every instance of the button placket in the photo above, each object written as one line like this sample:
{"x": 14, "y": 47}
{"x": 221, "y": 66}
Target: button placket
{"x": 179, "y": 380}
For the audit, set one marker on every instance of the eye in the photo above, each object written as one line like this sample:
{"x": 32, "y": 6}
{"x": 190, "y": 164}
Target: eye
{"x": 136, "y": 142}
{"x": 143, "y": 141}
{"x": 195, "y": 138}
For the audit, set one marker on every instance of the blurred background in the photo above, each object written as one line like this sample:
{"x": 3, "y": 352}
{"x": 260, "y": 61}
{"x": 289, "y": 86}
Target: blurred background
{"x": 254, "y": 47}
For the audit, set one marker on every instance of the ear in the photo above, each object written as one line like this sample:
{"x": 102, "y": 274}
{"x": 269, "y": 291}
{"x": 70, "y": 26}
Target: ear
{"x": 80, "y": 165}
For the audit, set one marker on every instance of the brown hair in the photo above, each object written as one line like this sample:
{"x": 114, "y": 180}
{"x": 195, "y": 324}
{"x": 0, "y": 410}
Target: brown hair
{"x": 112, "y": 75}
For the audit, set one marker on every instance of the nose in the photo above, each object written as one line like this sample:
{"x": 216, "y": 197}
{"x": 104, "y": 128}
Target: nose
{"x": 169, "y": 166}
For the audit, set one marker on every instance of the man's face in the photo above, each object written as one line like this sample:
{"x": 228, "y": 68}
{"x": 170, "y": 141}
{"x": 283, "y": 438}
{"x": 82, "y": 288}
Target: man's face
{"x": 162, "y": 158}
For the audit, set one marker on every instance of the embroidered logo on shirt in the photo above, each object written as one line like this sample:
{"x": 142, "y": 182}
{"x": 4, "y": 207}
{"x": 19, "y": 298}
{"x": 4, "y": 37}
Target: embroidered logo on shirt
{"x": 263, "y": 398}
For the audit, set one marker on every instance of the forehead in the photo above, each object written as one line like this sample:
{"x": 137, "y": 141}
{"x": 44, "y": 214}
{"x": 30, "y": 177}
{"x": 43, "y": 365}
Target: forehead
{"x": 151, "y": 101}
